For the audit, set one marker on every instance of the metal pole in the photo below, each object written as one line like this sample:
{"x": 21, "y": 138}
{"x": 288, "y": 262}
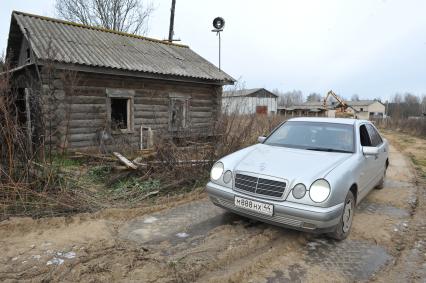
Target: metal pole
{"x": 172, "y": 21}
{"x": 219, "y": 49}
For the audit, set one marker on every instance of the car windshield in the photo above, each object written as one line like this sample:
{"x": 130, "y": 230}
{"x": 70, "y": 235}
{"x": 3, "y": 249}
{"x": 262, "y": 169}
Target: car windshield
{"x": 317, "y": 136}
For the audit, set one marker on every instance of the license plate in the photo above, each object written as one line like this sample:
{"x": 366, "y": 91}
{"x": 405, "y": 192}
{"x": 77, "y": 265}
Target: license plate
{"x": 260, "y": 207}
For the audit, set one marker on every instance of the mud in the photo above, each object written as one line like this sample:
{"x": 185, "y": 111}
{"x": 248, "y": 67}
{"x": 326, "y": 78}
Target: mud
{"x": 190, "y": 240}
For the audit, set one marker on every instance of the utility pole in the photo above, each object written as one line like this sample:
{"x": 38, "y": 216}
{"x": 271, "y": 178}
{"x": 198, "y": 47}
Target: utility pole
{"x": 172, "y": 21}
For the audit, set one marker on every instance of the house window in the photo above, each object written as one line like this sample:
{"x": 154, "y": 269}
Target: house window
{"x": 119, "y": 113}
{"x": 361, "y": 109}
{"x": 179, "y": 113}
{"x": 120, "y": 109}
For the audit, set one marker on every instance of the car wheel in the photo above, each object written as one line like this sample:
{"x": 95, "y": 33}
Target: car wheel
{"x": 381, "y": 184}
{"x": 344, "y": 227}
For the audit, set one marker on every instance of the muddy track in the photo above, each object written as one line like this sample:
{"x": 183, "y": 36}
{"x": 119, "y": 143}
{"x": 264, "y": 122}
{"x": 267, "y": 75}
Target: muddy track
{"x": 199, "y": 242}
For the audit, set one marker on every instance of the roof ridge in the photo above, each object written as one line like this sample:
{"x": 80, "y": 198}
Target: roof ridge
{"x": 99, "y": 29}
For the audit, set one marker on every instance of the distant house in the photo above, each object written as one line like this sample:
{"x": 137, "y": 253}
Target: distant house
{"x": 362, "y": 109}
{"x": 107, "y": 86}
{"x": 249, "y": 101}
{"x": 309, "y": 109}
{"x": 367, "y": 109}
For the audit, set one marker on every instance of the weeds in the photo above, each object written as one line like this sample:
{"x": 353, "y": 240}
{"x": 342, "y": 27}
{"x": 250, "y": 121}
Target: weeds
{"x": 99, "y": 173}
{"x": 133, "y": 190}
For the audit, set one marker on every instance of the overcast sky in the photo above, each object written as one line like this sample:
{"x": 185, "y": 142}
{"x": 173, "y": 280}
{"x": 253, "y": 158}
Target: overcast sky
{"x": 374, "y": 48}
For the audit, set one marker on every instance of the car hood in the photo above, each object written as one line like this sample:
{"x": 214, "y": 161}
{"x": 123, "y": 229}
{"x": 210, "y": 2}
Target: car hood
{"x": 294, "y": 165}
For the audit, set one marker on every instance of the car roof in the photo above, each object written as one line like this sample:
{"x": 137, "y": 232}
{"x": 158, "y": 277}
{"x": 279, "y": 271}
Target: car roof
{"x": 346, "y": 121}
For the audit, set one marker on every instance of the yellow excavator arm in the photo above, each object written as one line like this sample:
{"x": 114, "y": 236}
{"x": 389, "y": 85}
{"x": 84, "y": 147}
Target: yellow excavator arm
{"x": 343, "y": 104}
{"x": 341, "y": 101}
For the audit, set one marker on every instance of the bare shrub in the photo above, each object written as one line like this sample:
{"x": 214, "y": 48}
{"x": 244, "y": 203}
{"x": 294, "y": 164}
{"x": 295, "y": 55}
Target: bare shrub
{"x": 414, "y": 126}
{"x": 237, "y": 131}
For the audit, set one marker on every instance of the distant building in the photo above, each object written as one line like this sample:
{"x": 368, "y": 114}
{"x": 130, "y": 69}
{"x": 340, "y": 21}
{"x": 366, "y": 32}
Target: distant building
{"x": 367, "y": 109}
{"x": 362, "y": 109}
{"x": 249, "y": 101}
{"x": 309, "y": 109}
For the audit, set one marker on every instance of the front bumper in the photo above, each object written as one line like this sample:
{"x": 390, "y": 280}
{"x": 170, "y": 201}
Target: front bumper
{"x": 287, "y": 214}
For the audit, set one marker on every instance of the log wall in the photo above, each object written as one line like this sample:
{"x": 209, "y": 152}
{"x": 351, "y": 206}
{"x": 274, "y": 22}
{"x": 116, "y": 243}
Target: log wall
{"x": 81, "y": 112}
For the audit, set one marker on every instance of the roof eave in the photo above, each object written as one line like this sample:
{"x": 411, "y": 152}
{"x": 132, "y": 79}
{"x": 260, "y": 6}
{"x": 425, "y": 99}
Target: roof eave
{"x": 139, "y": 74}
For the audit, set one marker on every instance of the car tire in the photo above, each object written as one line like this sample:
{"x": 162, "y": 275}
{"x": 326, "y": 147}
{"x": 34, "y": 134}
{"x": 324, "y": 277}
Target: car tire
{"x": 381, "y": 184}
{"x": 343, "y": 229}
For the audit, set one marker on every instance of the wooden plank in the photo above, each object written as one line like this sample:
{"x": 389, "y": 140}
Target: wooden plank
{"x": 87, "y": 115}
{"x": 154, "y": 121}
{"x": 201, "y": 115}
{"x": 152, "y": 115}
{"x": 82, "y": 99}
{"x": 125, "y": 161}
{"x": 151, "y": 108}
{"x": 83, "y": 137}
{"x": 84, "y": 108}
{"x": 87, "y": 123}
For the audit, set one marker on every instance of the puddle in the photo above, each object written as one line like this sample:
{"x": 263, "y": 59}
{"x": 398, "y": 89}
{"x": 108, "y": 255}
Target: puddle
{"x": 395, "y": 184}
{"x": 295, "y": 273}
{"x": 194, "y": 219}
{"x": 380, "y": 208}
{"x": 356, "y": 260}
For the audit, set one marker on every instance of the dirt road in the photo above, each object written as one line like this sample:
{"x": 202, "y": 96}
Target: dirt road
{"x": 195, "y": 241}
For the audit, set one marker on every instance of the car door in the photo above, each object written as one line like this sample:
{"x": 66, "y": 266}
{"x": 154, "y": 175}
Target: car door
{"x": 368, "y": 162}
{"x": 379, "y": 160}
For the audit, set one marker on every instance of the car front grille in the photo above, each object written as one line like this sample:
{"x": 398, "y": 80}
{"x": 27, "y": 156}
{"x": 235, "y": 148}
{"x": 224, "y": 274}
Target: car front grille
{"x": 259, "y": 186}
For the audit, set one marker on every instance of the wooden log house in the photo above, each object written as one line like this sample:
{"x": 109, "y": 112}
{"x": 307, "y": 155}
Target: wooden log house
{"x": 83, "y": 86}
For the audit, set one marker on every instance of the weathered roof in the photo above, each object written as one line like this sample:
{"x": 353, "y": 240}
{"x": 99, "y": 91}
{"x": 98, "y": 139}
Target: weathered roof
{"x": 303, "y": 107}
{"x": 361, "y": 102}
{"x": 246, "y": 92}
{"x": 67, "y": 42}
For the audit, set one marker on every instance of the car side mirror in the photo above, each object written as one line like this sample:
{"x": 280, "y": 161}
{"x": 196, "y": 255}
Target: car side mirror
{"x": 370, "y": 150}
{"x": 261, "y": 139}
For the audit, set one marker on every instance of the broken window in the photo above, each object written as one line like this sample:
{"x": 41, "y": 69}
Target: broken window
{"x": 179, "y": 113}
{"x": 120, "y": 109}
{"x": 119, "y": 113}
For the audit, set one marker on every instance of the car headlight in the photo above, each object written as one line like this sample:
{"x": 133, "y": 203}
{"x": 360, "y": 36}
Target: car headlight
{"x": 217, "y": 171}
{"x": 227, "y": 177}
{"x": 299, "y": 191}
{"x": 319, "y": 191}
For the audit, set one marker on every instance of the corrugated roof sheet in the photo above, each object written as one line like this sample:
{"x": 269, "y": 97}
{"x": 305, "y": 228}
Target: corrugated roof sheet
{"x": 73, "y": 43}
{"x": 245, "y": 92}
{"x": 360, "y": 102}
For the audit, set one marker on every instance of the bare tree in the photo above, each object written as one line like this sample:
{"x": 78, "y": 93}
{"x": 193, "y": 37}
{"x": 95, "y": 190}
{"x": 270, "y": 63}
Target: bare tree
{"x": 355, "y": 97}
{"x": 121, "y": 15}
{"x": 314, "y": 97}
{"x": 289, "y": 98}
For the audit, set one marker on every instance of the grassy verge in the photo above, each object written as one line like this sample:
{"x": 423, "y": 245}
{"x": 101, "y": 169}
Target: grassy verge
{"x": 414, "y": 147}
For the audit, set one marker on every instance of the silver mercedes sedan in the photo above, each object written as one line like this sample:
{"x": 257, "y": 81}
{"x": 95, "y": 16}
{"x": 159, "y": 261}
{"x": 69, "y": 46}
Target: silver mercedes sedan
{"x": 308, "y": 174}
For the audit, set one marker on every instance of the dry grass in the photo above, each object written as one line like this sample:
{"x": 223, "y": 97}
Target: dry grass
{"x": 415, "y": 127}
{"x": 414, "y": 147}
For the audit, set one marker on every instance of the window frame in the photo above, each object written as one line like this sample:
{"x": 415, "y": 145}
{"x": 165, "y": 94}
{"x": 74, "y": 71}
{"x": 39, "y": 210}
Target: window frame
{"x": 368, "y": 134}
{"x": 185, "y": 99}
{"x": 376, "y": 139}
{"x": 121, "y": 94}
